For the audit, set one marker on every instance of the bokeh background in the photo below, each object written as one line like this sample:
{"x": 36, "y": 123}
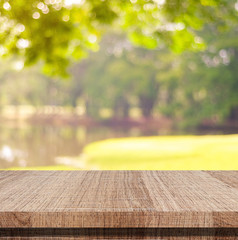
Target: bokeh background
{"x": 99, "y": 84}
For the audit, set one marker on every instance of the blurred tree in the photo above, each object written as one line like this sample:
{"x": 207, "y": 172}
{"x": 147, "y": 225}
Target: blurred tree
{"x": 58, "y": 31}
{"x": 27, "y": 86}
{"x": 191, "y": 87}
{"x": 207, "y": 86}
{"x": 121, "y": 76}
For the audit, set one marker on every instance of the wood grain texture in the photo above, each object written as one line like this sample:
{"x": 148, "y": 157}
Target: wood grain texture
{"x": 118, "y": 199}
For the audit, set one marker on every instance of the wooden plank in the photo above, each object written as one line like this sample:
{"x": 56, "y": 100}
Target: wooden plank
{"x": 118, "y": 199}
{"x": 228, "y": 177}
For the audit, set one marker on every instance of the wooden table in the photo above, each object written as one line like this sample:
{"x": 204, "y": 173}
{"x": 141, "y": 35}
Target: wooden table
{"x": 119, "y": 204}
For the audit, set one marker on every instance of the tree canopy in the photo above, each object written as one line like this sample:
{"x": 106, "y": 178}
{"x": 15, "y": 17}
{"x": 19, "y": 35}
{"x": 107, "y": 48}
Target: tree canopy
{"x": 132, "y": 66}
{"x": 59, "y": 32}
{"x": 189, "y": 88}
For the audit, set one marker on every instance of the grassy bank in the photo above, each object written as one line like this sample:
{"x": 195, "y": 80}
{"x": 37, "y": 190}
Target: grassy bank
{"x": 165, "y": 153}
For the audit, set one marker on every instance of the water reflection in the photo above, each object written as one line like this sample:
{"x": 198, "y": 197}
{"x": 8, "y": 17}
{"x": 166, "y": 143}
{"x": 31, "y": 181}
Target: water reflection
{"x": 46, "y": 145}
{"x": 10, "y": 155}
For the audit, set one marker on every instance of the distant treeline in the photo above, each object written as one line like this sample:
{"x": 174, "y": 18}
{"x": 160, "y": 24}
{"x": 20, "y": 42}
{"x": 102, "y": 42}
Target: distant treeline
{"x": 190, "y": 88}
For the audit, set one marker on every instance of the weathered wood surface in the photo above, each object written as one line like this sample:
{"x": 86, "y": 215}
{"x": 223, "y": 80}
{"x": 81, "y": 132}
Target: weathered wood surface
{"x": 118, "y": 199}
{"x": 174, "y": 205}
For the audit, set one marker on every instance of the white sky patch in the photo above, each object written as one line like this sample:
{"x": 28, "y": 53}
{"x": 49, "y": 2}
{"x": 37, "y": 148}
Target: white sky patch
{"x": 23, "y": 43}
{"x": 223, "y": 53}
{"x": 149, "y": 6}
{"x": 65, "y": 18}
{"x": 40, "y": 5}
{"x": 92, "y": 38}
{"x": 170, "y": 27}
{"x": 236, "y": 6}
{"x": 3, "y": 50}
{"x": 36, "y": 15}
{"x": 18, "y": 65}
{"x": 159, "y": 2}
{"x": 156, "y": 15}
{"x": 7, "y": 6}
{"x": 72, "y": 2}
{"x": 198, "y": 40}
{"x": 179, "y": 26}
{"x": 20, "y": 27}
{"x": 45, "y": 9}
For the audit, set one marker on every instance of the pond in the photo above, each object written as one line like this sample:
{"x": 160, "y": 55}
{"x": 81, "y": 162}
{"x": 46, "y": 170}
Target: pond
{"x": 31, "y": 145}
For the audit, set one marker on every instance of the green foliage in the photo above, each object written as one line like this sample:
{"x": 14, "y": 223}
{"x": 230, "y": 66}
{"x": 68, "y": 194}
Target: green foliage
{"x": 207, "y": 88}
{"x": 193, "y": 87}
{"x": 121, "y": 76}
{"x": 189, "y": 88}
{"x": 29, "y": 87}
{"x": 58, "y": 33}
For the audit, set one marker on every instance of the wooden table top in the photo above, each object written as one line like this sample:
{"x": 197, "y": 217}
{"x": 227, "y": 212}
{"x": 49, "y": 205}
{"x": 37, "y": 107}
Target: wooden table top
{"x": 118, "y": 199}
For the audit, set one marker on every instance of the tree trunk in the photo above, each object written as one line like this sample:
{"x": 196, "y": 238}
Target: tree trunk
{"x": 146, "y": 105}
{"x": 233, "y": 114}
{"x": 121, "y": 108}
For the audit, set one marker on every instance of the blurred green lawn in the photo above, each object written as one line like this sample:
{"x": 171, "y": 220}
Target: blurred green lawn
{"x": 166, "y": 153}
{"x": 160, "y": 153}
